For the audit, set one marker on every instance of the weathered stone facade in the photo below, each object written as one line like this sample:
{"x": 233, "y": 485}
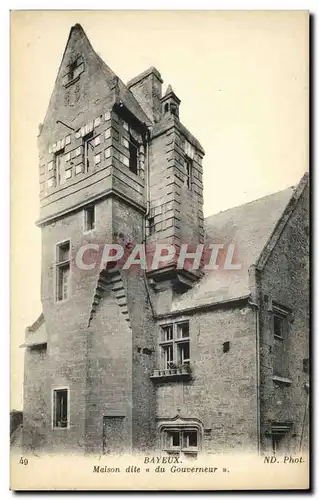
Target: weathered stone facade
{"x": 94, "y": 375}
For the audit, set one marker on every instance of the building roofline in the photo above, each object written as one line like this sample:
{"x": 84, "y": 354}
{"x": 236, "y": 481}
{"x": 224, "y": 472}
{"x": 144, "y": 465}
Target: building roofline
{"x": 281, "y": 223}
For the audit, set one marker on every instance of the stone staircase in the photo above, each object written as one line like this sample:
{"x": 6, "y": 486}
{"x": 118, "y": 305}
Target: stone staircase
{"x": 110, "y": 281}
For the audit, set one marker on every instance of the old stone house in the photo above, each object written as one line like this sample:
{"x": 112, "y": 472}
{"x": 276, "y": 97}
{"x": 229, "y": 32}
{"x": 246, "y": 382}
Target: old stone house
{"x": 170, "y": 360}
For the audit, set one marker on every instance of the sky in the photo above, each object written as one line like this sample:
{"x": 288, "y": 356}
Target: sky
{"x": 242, "y": 78}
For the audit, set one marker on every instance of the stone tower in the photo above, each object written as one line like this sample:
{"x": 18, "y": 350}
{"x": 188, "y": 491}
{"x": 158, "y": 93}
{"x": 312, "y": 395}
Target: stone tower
{"x": 116, "y": 166}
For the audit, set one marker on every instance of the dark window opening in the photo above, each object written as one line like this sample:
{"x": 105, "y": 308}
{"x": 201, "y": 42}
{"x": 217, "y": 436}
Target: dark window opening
{"x": 226, "y": 346}
{"x": 88, "y": 143}
{"x": 167, "y": 332}
{"x": 64, "y": 252}
{"x": 89, "y": 218}
{"x": 190, "y": 439}
{"x": 276, "y": 442}
{"x": 188, "y": 173}
{"x": 181, "y": 442}
{"x": 60, "y": 408}
{"x": 184, "y": 356}
{"x": 167, "y": 351}
{"x": 72, "y": 69}
{"x": 183, "y": 330}
{"x": 63, "y": 282}
{"x": 151, "y": 225}
{"x": 174, "y": 110}
{"x": 166, "y": 108}
{"x": 63, "y": 271}
{"x": 278, "y": 326}
{"x": 305, "y": 365}
{"x": 133, "y": 162}
{"x": 175, "y": 438}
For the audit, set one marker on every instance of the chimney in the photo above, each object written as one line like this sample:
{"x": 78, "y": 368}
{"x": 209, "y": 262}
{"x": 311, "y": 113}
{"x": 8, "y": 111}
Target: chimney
{"x": 147, "y": 90}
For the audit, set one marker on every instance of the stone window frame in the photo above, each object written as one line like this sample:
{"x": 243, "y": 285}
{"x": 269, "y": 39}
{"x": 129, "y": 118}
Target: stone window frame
{"x": 53, "y": 407}
{"x": 58, "y": 264}
{"x": 174, "y": 342}
{"x": 180, "y": 425}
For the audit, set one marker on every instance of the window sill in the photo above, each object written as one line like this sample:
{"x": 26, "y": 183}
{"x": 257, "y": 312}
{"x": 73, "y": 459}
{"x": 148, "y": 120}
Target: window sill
{"x": 282, "y": 380}
{"x": 171, "y": 374}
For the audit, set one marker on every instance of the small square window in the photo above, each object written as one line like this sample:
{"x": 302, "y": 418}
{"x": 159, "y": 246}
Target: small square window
{"x": 60, "y": 408}
{"x": 226, "y": 346}
{"x": 89, "y": 219}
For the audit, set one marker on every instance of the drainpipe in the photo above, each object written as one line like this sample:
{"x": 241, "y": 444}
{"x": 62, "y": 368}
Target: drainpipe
{"x": 147, "y": 189}
{"x": 252, "y": 272}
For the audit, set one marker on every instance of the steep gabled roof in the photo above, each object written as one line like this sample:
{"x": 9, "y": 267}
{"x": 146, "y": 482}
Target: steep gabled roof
{"x": 79, "y": 42}
{"x": 249, "y": 227}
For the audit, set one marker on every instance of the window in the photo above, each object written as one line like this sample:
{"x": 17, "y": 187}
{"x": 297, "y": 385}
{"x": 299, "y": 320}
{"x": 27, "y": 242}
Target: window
{"x": 181, "y": 441}
{"x": 89, "y": 219}
{"x": 151, "y": 225}
{"x": 174, "y": 345}
{"x": 276, "y": 441}
{"x": 72, "y": 70}
{"x": 60, "y": 408}
{"x": 280, "y": 343}
{"x": 188, "y": 173}
{"x": 88, "y": 144}
{"x": 278, "y": 326}
{"x": 226, "y": 346}
{"x": 305, "y": 365}
{"x": 63, "y": 271}
{"x": 133, "y": 149}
